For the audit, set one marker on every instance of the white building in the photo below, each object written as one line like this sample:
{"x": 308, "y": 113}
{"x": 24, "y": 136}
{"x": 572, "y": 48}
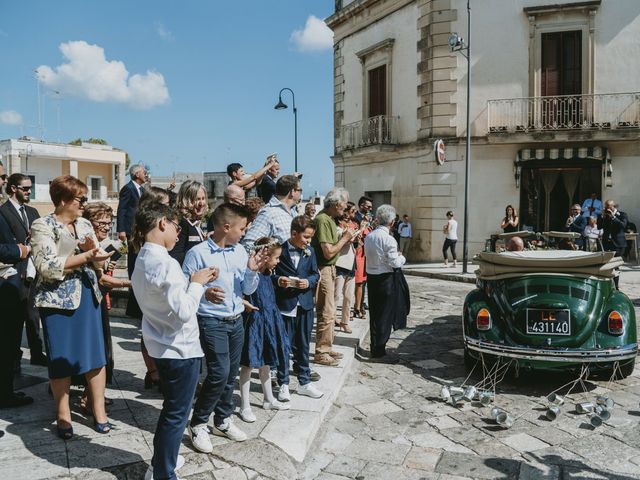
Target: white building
{"x": 101, "y": 167}
{"x": 555, "y": 109}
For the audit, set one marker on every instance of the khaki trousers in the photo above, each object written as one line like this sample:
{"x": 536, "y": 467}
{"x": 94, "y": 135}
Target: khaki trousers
{"x": 345, "y": 290}
{"x": 325, "y": 309}
{"x": 404, "y": 245}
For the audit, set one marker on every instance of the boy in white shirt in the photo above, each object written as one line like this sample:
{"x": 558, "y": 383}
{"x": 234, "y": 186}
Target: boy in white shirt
{"x": 169, "y": 327}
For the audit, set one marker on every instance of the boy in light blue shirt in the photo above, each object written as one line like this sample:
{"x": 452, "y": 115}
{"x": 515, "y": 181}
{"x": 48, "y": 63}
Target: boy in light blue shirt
{"x": 220, "y": 320}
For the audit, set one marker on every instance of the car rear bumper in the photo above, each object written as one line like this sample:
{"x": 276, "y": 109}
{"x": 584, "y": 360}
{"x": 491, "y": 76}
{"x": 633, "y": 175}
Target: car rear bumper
{"x": 567, "y": 355}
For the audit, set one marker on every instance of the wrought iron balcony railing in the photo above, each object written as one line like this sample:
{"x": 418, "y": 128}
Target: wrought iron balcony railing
{"x": 378, "y": 130}
{"x": 561, "y": 113}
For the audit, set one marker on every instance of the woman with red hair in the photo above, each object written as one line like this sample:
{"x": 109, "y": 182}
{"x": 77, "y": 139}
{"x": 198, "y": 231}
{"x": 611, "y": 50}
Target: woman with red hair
{"x": 68, "y": 259}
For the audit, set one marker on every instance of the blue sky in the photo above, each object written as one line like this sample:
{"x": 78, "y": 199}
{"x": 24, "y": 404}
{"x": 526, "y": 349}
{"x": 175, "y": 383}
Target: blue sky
{"x": 195, "y": 88}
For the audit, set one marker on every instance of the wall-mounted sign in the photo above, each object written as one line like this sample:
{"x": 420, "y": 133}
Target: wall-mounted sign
{"x": 438, "y": 151}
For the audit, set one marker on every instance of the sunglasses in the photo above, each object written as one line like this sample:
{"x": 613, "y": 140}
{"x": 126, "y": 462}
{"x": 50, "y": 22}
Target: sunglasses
{"x": 178, "y": 227}
{"x": 3, "y": 176}
{"x": 81, "y": 200}
{"x": 103, "y": 224}
{"x": 24, "y": 189}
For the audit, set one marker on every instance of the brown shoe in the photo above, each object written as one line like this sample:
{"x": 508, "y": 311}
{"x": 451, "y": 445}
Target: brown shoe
{"x": 325, "y": 359}
{"x": 344, "y": 327}
{"x": 336, "y": 355}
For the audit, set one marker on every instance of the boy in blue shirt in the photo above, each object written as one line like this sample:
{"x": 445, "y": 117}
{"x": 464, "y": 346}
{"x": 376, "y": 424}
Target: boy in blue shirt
{"x": 220, "y": 320}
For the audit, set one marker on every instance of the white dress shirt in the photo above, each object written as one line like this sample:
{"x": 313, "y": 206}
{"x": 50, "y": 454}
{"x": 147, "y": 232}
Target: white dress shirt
{"x": 169, "y": 304}
{"x": 295, "y": 259}
{"x": 381, "y": 252}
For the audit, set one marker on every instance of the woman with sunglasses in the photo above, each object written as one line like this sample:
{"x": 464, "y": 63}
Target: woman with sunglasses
{"x": 69, "y": 262}
{"x": 101, "y": 217}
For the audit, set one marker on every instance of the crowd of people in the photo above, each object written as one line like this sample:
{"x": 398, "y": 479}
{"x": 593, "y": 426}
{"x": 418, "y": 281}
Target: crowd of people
{"x": 218, "y": 294}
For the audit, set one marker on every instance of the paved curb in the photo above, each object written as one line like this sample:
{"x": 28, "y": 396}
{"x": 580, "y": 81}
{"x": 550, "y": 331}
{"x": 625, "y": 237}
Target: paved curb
{"x": 440, "y": 276}
{"x": 284, "y": 431}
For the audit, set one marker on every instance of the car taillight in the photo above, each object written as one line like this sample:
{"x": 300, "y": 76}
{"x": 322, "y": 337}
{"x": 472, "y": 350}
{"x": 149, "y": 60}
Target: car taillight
{"x": 483, "y": 319}
{"x": 615, "y": 323}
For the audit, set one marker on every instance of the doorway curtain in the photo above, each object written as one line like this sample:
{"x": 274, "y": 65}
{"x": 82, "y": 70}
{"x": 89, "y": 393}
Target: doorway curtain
{"x": 549, "y": 179}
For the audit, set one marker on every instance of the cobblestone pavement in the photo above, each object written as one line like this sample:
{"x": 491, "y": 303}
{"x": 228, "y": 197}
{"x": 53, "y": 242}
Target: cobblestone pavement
{"x": 389, "y": 423}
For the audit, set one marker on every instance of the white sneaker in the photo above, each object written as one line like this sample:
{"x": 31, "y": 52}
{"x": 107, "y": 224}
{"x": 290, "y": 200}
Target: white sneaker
{"x": 283, "y": 394}
{"x": 200, "y": 438}
{"x": 229, "y": 430}
{"x": 179, "y": 465}
{"x": 309, "y": 390}
{"x": 247, "y": 415}
{"x": 275, "y": 405}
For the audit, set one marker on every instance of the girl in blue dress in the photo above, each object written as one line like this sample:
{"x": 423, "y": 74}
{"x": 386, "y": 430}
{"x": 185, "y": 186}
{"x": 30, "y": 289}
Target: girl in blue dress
{"x": 265, "y": 338}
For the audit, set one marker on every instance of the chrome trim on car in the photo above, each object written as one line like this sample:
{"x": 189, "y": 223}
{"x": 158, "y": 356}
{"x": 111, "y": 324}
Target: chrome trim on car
{"x": 625, "y": 352}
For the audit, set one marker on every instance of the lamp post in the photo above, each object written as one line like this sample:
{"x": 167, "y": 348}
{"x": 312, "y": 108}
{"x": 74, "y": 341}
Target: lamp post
{"x": 457, "y": 44}
{"x": 281, "y": 106}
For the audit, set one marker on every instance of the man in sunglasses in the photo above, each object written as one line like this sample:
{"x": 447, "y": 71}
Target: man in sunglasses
{"x": 11, "y": 254}
{"x": 19, "y": 215}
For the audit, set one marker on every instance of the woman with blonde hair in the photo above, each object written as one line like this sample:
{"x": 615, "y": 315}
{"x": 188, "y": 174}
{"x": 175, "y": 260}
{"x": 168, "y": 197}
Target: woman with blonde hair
{"x": 192, "y": 205}
{"x": 68, "y": 260}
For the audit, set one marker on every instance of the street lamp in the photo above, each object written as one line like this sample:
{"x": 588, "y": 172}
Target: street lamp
{"x": 281, "y": 106}
{"x": 457, "y": 44}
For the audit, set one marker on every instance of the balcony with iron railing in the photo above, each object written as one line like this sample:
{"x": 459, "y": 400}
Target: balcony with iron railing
{"x": 606, "y": 111}
{"x": 378, "y": 130}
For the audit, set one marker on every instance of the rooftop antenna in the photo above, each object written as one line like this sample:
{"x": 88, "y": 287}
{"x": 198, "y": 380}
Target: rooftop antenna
{"x": 40, "y": 107}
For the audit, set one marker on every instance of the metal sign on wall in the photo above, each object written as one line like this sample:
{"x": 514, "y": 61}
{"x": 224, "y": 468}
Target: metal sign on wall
{"x": 439, "y": 151}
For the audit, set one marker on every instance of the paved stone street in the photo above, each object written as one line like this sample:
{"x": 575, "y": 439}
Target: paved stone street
{"x": 389, "y": 423}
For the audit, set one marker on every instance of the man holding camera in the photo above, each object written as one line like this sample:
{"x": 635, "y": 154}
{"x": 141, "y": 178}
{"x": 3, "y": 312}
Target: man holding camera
{"x": 613, "y": 223}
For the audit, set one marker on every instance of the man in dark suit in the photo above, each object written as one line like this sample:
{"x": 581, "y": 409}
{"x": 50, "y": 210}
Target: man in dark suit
{"x": 267, "y": 187}
{"x": 19, "y": 216}
{"x": 127, "y": 206}
{"x": 576, "y": 223}
{"x": 613, "y": 223}
{"x": 11, "y": 252}
{"x": 297, "y": 276}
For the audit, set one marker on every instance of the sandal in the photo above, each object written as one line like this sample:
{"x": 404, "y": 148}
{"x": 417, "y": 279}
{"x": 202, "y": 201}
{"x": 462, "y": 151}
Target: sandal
{"x": 64, "y": 433}
{"x": 102, "y": 427}
{"x": 344, "y": 327}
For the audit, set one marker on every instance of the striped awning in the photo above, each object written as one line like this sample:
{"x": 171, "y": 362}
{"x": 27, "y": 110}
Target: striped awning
{"x": 580, "y": 153}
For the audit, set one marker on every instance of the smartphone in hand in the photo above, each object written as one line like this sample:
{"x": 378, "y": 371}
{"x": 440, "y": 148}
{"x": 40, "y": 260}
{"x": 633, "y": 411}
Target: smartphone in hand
{"x": 116, "y": 254}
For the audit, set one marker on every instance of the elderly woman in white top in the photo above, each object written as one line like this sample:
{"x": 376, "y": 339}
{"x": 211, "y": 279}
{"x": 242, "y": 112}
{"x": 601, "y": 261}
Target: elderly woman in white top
{"x": 387, "y": 288}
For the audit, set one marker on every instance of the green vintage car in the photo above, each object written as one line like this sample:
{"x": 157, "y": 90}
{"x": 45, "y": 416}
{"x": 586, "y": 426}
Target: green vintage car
{"x": 550, "y": 310}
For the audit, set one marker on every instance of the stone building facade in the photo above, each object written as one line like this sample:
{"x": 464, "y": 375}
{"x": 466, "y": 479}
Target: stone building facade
{"x": 555, "y": 109}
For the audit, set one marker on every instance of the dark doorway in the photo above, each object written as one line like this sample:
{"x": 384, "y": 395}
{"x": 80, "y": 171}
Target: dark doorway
{"x": 547, "y": 190}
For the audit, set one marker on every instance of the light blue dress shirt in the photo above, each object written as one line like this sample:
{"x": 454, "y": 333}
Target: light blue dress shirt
{"x": 273, "y": 220}
{"x": 234, "y": 277}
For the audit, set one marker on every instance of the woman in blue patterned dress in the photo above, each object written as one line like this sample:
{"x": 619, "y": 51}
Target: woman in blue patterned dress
{"x": 67, "y": 255}
{"x": 265, "y": 338}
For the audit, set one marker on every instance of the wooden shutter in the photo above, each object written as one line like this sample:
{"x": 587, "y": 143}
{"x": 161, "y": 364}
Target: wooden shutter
{"x": 561, "y": 63}
{"x": 378, "y": 91}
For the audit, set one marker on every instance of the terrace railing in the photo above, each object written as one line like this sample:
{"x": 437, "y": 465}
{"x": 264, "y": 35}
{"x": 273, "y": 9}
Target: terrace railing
{"x": 378, "y": 130}
{"x": 568, "y": 112}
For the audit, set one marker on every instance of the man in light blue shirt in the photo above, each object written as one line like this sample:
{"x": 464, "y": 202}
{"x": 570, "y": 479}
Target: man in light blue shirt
{"x": 406, "y": 232}
{"x": 220, "y": 320}
{"x": 592, "y": 207}
{"x": 274, "y": 220}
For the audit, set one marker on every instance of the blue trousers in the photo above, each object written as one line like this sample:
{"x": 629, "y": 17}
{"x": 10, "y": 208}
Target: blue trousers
{"x": 222, "y": 344}
{"x": 299, "y": 329}
{"x": 179, "y": 378}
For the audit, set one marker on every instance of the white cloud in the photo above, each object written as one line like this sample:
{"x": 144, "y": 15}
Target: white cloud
{"x": 10, "y": 117}
{"x": 163, "y": 32}
{"x": 315, "y": 36}
{"x": 88, "y": 74}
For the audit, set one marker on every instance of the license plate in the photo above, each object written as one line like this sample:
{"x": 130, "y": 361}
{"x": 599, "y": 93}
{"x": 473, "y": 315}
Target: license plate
{"x": 548, "y": 322}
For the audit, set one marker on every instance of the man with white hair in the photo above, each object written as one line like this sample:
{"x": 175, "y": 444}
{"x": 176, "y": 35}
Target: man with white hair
{"x": 128, "y": 200}
{"x": 387, "y": 289}
{"x": 327, "y": 246}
